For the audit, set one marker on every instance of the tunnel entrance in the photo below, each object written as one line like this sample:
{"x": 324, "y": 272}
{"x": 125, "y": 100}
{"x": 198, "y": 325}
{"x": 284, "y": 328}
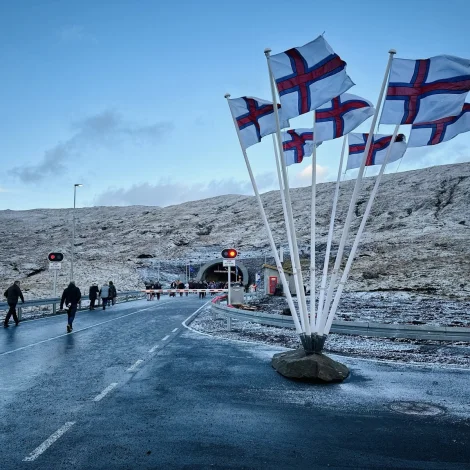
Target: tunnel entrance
{"x": 215, "y": 271}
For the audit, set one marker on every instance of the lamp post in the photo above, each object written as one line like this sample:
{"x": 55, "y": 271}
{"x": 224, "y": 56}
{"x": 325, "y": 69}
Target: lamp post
{"x": 75, "y": 186}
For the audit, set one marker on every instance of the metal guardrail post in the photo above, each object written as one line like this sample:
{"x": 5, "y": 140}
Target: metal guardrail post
{"x": 54, "y": 308}
{"x": 229, "y": 323}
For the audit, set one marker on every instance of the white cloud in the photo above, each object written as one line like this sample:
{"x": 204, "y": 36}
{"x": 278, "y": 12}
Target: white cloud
{"x": 304, "y": 176}
{"x": 166, "y": 193}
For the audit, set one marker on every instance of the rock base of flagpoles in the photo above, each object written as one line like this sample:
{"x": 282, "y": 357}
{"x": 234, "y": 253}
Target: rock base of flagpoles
{"x": 309, "y": 364}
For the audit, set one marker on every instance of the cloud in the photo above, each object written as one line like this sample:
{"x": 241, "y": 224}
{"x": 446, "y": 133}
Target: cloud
{"x": 168, "y": 193}
{"x": 304, "y": 177}
{"x": 105, "y": 129}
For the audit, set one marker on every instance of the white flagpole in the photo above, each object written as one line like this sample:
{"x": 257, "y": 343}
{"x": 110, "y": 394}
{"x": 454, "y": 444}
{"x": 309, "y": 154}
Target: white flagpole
{"x": 345, "y": 275}
{"x": 312, "y": 228}
{"x": 330, "y": 235}
{"x": 284, "y": 282}
{"x": 289, "y": 216}
{"x": 347, "y": 223}
{"x": 283, "y": 201}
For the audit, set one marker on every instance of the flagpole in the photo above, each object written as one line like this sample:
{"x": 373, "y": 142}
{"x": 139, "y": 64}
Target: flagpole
{"x": 284, "y": 282}
{"x": 283, "y": 201}
{"x": 352, "y": 204}
{"x": 352, "y": 254}
{"x": 313, "y": 320}
{"x": 330, "y": 234}
{"x": 289, "y": 216}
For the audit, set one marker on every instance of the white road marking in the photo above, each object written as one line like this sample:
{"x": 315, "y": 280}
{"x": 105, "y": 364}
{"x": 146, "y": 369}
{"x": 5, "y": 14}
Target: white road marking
{"x": 154, "y": 348}
{"x": 105, "y": 392}
{"x": 134, "y": 366}
{"x": 48, "y": 442}
{"x": 165, "y": 338}
{"x": 185, "y": 324}
{"x": 176, "y": 329}
{"x": 82, "y": 329}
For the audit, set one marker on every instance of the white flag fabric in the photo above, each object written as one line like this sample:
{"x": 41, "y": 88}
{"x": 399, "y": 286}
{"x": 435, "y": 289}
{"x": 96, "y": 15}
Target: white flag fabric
{"x": 426, "y": 90}
{"x": 309, "y": 76}
{"x": 378, "y": 149}
{"x": 341, "y": 115}
{"x": 442, "y": 130}
{"x": 255, "y": 119}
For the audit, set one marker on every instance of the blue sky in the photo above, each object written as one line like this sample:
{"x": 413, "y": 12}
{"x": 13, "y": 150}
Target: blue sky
{"x": 128, "y": 97}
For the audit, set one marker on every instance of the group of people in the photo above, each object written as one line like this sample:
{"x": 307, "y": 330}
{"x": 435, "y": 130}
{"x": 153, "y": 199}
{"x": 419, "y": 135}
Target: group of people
{"x": 71, "y": 298}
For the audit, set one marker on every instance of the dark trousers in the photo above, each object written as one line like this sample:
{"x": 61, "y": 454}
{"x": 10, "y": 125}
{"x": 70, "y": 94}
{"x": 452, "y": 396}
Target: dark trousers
{"x": 11, "y": 311}
{"x": 105, "y": 302}
{"x": 92, "y": 304}
{"x": 72, "y": 310}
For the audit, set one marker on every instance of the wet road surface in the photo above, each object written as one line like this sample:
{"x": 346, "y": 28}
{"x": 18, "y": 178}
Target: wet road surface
{"x": 132, "y": 388}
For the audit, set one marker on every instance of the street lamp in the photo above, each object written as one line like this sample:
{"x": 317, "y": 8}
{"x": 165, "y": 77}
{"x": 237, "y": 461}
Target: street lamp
{"x": 75, "y": 186}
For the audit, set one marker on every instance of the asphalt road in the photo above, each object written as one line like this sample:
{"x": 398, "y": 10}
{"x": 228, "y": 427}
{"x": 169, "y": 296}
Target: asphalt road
{"x": 131, "y": 388}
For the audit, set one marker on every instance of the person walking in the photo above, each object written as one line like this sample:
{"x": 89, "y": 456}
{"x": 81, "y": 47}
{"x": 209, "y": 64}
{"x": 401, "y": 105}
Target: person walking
{"x": 70, "y": 297}
{"x": 12, "y": 294}
{"x": 112, "y": 293}
{"x": 104, "y": 294}
{"x": 158, "y": 286}
{"x": 93, "y": 295}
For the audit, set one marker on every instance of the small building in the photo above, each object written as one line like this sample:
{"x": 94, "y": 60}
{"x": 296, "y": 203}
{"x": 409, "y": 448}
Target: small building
{"x": 272, "y": 279}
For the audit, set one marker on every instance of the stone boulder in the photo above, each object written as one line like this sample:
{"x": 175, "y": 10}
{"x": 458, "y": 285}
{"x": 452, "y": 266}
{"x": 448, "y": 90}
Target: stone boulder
{"x": 312, "y": 368}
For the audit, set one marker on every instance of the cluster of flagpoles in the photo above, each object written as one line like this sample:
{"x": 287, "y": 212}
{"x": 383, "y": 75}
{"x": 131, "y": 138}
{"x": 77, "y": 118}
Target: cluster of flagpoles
{"x": 314, "y": 325}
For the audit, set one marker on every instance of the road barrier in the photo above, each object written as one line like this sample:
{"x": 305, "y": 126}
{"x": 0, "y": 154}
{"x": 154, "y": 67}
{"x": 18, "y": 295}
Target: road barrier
{"x": 84, "y": 304}
{"x": 384, "y": 330}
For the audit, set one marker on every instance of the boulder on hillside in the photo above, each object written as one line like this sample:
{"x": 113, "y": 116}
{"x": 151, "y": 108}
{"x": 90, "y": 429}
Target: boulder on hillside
{"x": 309, "y": 368}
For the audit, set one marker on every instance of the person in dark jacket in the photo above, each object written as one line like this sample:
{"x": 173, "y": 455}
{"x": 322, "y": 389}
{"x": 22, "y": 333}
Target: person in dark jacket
{"x": 70, "y": 297}
{"x": 180, "y": 286}
{"x": 112, "y": 293}
{"x": 93, "y": 295}
{"x": 158, "y": 286}
{"x": 12, "y": 294}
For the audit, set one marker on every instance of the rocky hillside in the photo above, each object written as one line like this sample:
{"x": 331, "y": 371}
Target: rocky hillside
{"x": 417, "y": 237}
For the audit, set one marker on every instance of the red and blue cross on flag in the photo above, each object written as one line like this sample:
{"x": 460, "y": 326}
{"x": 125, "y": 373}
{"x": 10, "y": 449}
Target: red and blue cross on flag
{"x": 307, "y": 77}
{"x": 297, "y": 144}
{"x": 426, "y": 90}
{"x": 377, "y": 150}
{"x": 442, "y": 130}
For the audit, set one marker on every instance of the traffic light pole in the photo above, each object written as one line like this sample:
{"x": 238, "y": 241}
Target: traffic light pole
{"x": 55, "y": 290}
{"x": 229, "y": 290}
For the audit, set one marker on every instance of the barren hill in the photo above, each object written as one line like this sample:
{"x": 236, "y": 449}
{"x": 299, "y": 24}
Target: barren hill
{"x": 417, "y": 237}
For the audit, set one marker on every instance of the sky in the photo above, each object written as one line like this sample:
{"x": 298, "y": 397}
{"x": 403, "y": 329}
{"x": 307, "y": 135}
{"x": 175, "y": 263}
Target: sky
{"x": 127, "y": 98}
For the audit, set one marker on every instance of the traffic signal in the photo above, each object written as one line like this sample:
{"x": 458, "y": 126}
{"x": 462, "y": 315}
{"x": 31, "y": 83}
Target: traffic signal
{"x": 229, "y": 253}
{"x": 55, "y": 257}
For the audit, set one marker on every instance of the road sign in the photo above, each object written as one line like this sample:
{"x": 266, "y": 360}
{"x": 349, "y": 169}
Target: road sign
{"x": 55, "y": 265}
{"x": 229, "y": 262}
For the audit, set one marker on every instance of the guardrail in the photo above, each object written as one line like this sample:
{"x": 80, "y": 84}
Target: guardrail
{"x": 385, "y": 330}
{"x": 84, "y": 304}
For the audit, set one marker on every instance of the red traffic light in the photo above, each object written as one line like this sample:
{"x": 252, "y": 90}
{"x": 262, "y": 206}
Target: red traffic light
{"x": 55, "y": 257}
{"x": 229, "y": 253}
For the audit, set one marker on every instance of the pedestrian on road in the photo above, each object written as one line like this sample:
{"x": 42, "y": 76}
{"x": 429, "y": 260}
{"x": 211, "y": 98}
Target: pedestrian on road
{"x": 104, "y": 294}
{"x": 181, "y": 287}
{"x": 70, "y": 297}
{"x": 12, "y": 294}
{"x": 112, "y": 293}
{"x": 158, "y": 286}
{"x": 93, "y": 295}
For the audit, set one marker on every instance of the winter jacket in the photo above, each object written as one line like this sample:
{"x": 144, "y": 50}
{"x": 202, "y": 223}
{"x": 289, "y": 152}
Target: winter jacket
{"x": 12, "y": 294}
{"x": 104, "y": 292}
{"x": 71, "y": 295}
{"x": 93, "y": 294}
{"x": 112, "y": 291}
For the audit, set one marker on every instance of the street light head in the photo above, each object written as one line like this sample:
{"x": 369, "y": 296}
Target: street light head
{"x": 78, "y": 185}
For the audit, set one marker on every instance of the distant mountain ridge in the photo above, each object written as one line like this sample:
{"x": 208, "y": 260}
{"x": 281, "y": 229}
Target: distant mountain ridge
{"x": 417, "y": 237}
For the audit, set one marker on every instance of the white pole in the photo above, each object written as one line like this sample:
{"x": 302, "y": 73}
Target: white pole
{"x": 345, "y": 275}
{"x": 347, "y": 223}
{"x": 73, "y": 231}
{"x": 55, "y": 283}
{"x": 297, "y": 270}
{"x": 280, "y": 269}
{"x": 286, "y": 220}
{"x": 312, "y": 228}
{"x": 229, "y": 290}
{"x": 330, "y": 236}
{"x": 281, "y": 254}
